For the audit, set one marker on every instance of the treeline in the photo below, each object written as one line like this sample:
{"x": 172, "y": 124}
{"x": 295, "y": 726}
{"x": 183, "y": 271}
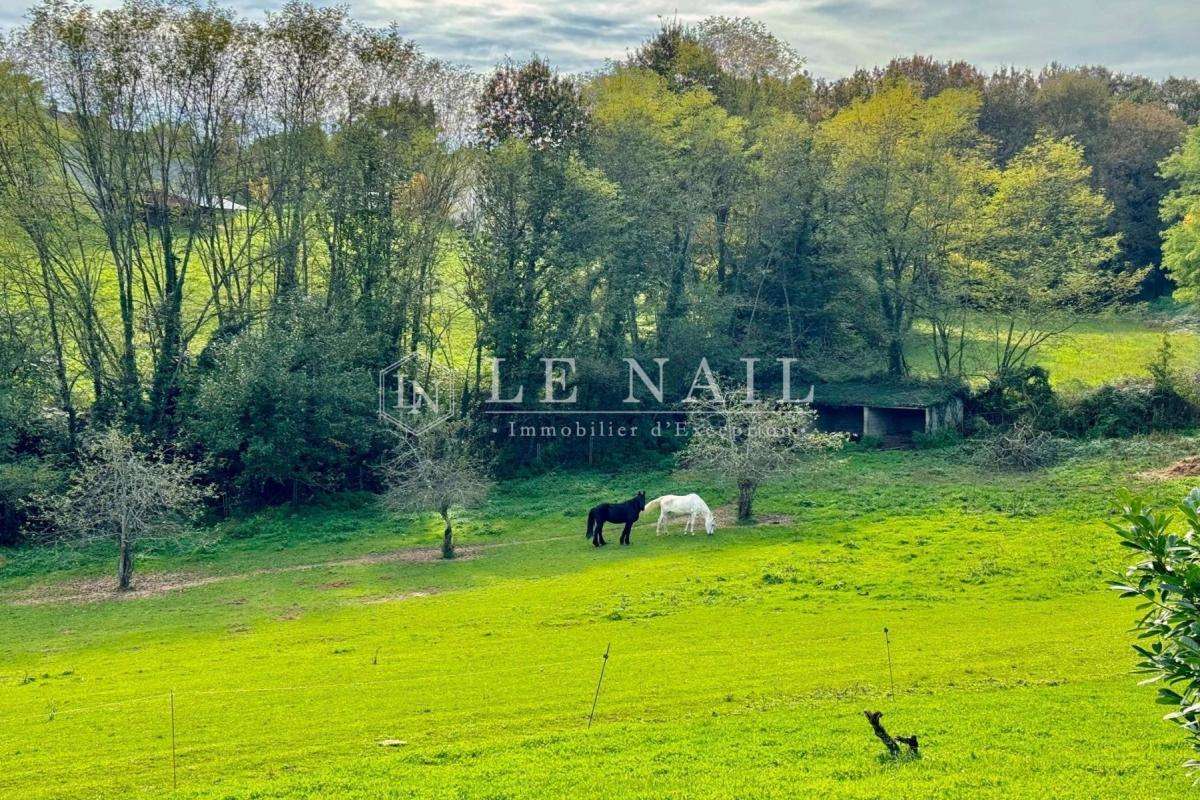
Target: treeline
{"x": 215, "y": 232}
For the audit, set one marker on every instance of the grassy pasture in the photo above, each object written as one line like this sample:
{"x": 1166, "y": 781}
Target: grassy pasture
{"x": 740, "y": 663}
{"x": 1097, "y": 350}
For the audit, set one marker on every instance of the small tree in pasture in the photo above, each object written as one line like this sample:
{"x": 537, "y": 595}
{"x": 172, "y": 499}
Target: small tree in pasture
{"x": 435, "y": 472}
{"x": 750, "y": 442}
{"x": 128, "y": 496}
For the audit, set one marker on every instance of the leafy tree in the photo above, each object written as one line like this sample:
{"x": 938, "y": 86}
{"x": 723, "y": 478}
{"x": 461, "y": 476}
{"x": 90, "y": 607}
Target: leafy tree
{"x": 1136, "y": 138}
{"x": 1074, "y": 104}
{"x": 288, "y": 410}
{"x": 1182, "y": 97}
{"x": 932, "y": 76}
{"x": 29, "y": 439}
{"x": 737, "y": 439}
{"x": 1181, "y": 211}
{"x": 793, "y": 299}
{"x": 677, "y": 54}
{"x": 125, "y": 495}
{"x": 679, "y": 162}
{"x": 531, "y": 103}
{"x": 758, "y": 71}
{"x": 388, "y": 189}
{"x": 902, "y": 171}
{"x": 1042, "y": 248}
{"x": 1006, "y": 114}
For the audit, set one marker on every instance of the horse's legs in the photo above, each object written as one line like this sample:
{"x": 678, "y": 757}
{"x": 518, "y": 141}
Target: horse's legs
{"x": 625, "y": 533}
{"x": 662, "y": 514}
{"x": 692, "y": 524}
{"x": 599, "y": 542}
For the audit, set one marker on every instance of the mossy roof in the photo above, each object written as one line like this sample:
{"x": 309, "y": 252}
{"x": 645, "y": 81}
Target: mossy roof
{"x": 885, "y": 394}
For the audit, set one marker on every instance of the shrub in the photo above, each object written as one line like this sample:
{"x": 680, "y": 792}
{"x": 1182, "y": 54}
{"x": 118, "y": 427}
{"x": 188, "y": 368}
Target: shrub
{"x": 1129, "y": 408}
{"x": 1021, "y": 447}
{"x": 1161, "y": 403}
{"x": 1167, "y": 582}
{"x": 21, "y": 482}
{"x": 1021, "y": 394}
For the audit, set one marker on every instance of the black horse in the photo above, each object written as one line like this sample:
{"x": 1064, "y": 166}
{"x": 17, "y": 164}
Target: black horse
{"x": 626, "y": 512}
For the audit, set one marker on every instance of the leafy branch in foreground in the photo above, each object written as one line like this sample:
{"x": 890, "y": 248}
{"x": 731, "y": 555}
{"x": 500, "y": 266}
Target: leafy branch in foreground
{"x": 1167, "y": 581}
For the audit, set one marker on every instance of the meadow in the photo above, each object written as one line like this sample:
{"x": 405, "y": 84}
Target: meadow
{"x": 1098, "y": 349}
{"x": 292, "y": 642}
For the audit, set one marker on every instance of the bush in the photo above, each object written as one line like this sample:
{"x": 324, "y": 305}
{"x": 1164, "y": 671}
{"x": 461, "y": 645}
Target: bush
{"x": 1129, "y": 408}
{"x": 1020, "y": 447}
{"x": 1166, "y": 582}
{"x": 22, "y": 482}
{"x": 1023, "y": 394}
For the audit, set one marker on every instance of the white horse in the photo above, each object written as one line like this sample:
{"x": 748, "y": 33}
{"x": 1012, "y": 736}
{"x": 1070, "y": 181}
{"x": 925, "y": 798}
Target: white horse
{"x": 689, "y": 505}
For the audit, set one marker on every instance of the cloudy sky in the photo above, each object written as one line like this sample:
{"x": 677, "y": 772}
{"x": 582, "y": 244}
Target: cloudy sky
{"x": 1152, "y": 37}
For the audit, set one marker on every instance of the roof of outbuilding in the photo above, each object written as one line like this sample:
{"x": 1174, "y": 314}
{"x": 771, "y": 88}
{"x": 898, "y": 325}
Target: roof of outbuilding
{"x": 886, "y": 393}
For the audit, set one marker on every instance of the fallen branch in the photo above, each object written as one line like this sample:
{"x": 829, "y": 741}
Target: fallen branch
{"x": 890, "y": 742}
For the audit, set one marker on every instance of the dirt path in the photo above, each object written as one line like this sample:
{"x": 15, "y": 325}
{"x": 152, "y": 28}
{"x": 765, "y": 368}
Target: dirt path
{"x": 94, "y": 590}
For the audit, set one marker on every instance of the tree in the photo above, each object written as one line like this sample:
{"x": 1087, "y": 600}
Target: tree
{"x": 1038, "y": 262}
{"x": 748, "y": 442}
{"x": 757, "y": 70}
{"x": 679, "y": 57}
{"x": 288, "y": 410}
{"x": 1167, "y": 582}
{"x": 435, "y": 471}
{"x": 902, "y": 172}
{"x": 1138, "y": 136}
{"x": 1181, "y": 211}
{"x": 1073, "y": 103}
{"x": 531, "y": 103}
{"x": 793, "y": 296}
{"x": 1006, "y": 115}
{"x": 125, "y": 495}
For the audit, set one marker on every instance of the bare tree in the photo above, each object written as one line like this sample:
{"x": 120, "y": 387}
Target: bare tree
{"x": 749, "y": 442}
{"x": 435, "y": 472}
{"x": 123, "y": 494}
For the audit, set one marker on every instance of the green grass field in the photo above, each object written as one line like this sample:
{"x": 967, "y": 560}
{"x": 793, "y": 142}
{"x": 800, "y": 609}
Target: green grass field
{"x": 740, "y": 664}
{"x": 1097, "y": 350}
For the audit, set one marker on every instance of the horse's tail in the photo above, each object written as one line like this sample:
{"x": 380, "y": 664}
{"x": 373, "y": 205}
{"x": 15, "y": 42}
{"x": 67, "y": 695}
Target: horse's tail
{"x": 591, "y": 525}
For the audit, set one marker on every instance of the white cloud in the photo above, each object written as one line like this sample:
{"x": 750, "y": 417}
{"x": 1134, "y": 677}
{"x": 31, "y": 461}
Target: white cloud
{"x": 1155, "y": 38}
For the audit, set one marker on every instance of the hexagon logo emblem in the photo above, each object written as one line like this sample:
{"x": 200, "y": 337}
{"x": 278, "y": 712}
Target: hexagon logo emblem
{"x": 416, "y": 394}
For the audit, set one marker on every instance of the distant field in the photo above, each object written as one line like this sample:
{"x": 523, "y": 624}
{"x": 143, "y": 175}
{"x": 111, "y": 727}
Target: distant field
{"x": 740, "y": 663}
{"x": 1095, "y": 351}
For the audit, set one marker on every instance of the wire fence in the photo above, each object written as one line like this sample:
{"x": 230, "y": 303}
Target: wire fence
{"x": 202, "y": 744}
{"x": 868, "y": 676}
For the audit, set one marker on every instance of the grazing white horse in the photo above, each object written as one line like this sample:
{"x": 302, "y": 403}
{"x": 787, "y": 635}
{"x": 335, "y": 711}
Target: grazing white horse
{"x": 689, "y": 505}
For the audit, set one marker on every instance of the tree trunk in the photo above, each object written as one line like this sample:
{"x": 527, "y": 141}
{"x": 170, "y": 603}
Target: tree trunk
{"x": 745, "y": 500}
{"x": 447, "y": 535}
{"x": 722, "y": 225}
{"x": 897, "y": 367}
{"x": 125, "y": 568}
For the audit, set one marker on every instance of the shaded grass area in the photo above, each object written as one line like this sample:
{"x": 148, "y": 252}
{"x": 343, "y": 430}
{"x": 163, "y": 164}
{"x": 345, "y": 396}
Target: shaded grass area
{"x": 741, "y": 663}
